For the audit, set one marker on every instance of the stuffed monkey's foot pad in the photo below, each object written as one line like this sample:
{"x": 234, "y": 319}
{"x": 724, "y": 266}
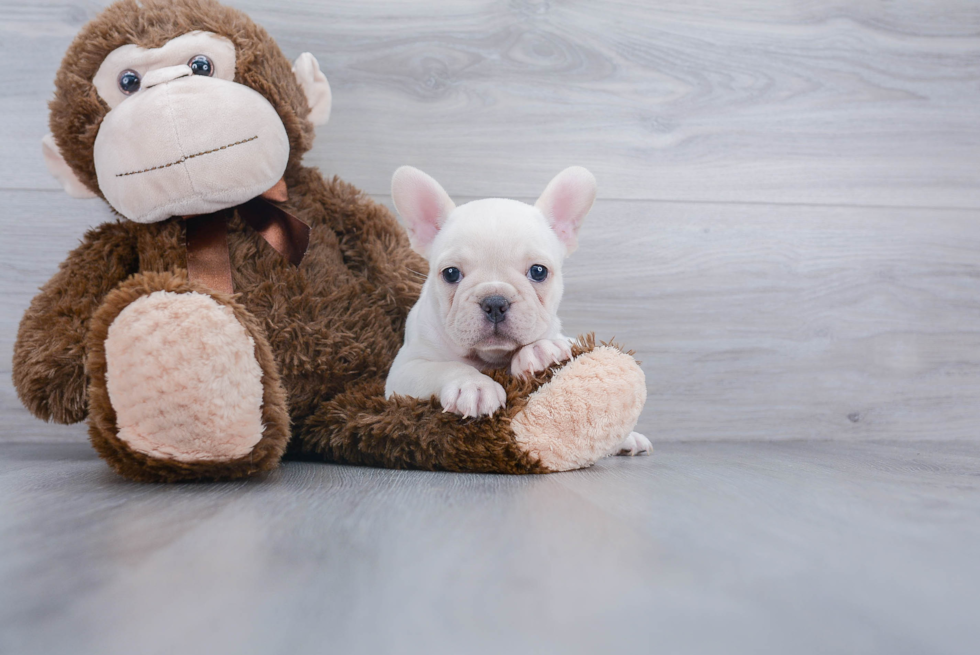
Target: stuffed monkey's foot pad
{"x": 584, "y": 412}
{"x": 183, "y": 379}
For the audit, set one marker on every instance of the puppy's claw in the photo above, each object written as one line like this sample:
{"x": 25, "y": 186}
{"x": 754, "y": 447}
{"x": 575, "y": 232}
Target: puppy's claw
{"x": 633, "y": 445}
{"x": 473, "y": 397}
{"x": 539, "y": 355}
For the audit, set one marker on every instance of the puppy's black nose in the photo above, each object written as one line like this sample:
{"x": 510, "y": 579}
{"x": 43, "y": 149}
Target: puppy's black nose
{"x": 495, "y": 308}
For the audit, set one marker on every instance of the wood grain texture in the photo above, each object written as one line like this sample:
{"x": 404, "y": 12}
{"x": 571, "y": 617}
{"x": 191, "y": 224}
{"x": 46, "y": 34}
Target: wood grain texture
{"x": 788, "y": 322}
{"x": 769, "y": 320}
{"x": 825, "y": 101}
{"x": 752, "y": 321}
{"x": 701, "y": 548}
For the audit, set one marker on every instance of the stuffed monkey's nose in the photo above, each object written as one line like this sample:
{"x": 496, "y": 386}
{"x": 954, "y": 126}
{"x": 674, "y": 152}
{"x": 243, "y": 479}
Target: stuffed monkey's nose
{"x": 164, "y": 75}
{"x": 495, "y": 308}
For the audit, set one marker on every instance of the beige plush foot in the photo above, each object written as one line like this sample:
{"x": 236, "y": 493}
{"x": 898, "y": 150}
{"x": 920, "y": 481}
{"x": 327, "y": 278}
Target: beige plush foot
{"x": 183, "y": 379}
{"x": 587, "y": 409}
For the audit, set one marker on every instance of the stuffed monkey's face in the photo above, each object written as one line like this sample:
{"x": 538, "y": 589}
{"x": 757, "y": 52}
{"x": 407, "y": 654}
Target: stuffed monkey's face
{"x": 181, "y": 137}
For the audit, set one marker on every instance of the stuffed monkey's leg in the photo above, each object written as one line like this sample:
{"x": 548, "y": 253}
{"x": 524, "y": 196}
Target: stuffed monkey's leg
{"x": 182, "y": 384}
{"x": 360, "y": 427}
{"x": 557, "y": 421}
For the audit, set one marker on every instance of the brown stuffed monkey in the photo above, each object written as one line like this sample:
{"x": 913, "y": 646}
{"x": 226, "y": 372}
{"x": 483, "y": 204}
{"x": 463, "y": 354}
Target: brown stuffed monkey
{"x": 242, "y": 308}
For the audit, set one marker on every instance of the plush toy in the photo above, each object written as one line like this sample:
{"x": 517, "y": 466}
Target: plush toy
{"x": 242, "y": 308}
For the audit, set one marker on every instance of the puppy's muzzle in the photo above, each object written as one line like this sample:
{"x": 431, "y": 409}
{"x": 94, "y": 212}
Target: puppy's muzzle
{"x": 495, "y": 308}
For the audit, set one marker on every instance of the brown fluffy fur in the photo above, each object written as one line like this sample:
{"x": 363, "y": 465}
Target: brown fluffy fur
{"x": 326, "y": 332}
{"x": 361, "y": 427}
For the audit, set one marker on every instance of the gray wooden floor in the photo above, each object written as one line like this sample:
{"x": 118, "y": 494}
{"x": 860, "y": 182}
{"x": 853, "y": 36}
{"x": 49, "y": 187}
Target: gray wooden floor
{"x": 799, "y": 548}
{"x": 787, "y": 233}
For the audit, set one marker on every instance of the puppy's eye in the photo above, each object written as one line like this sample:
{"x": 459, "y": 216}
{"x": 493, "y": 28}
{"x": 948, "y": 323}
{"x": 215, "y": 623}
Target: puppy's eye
{"x": 201, "y": 65}
{"x": 129, "y": 82}
{"x": 452, "y": 275}
{"x": 538, "y": 273}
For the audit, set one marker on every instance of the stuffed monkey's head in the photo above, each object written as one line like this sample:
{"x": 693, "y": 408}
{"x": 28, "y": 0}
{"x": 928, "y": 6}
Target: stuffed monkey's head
{"x": 171, "y": 108}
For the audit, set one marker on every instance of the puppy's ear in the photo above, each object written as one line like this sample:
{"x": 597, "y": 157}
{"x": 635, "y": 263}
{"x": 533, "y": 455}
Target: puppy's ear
{"x": 566, "y": 201}
{"x": 422, "y": 204}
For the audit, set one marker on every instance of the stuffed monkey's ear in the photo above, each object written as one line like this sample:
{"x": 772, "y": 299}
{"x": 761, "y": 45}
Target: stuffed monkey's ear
{"x": 422, "y": 204}
{"x": 62, "y": 172}
{"x": 315, "y": 86}
{"x": 566, "y": 201}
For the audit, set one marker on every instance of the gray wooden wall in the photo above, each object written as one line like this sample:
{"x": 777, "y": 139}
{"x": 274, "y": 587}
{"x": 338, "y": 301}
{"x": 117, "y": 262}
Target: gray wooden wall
{"x": 788, "y": 224}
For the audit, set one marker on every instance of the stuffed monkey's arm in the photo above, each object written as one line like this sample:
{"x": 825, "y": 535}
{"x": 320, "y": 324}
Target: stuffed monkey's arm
{"x": 374, "y": 239}
{"x": 49, "y": 355}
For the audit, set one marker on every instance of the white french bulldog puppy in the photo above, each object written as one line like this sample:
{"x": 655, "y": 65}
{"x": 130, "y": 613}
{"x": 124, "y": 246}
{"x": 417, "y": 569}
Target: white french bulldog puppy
{"x": 492, "y": 294}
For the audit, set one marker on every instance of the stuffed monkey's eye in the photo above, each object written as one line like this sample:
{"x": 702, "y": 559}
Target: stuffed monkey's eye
{"x": 451, "y": 275}
{"x": 201, "y": 65}
{"x": 538, "y": 273}
{"x": 129, "y": 82}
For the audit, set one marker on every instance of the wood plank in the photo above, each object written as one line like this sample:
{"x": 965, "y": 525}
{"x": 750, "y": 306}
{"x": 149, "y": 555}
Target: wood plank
{"x": 736, "y": 548}
{"x": 788, "y": 322}
{"x": 752, "y": 321}
{"x": 808, "y": 102}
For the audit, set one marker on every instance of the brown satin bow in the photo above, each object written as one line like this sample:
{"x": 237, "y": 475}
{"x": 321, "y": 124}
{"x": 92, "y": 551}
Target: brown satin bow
{"x": 208, "y": 259}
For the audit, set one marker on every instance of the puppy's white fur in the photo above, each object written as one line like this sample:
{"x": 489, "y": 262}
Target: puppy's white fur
{"x": 493, "y": 243}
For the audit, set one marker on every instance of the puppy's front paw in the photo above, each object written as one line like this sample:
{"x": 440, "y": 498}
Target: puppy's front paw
{"x": 634, "y": 444}
{"x": 473, "y": 397}
{"x": 539, "y": 355}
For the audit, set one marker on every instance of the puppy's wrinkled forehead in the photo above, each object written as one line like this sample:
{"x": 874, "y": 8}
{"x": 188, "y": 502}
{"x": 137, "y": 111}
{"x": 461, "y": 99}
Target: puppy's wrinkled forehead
{"x": 497, "y": 230}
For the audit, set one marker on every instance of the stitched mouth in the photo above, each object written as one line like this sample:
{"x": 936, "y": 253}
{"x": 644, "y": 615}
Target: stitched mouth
{"x": 186, "y": 157}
